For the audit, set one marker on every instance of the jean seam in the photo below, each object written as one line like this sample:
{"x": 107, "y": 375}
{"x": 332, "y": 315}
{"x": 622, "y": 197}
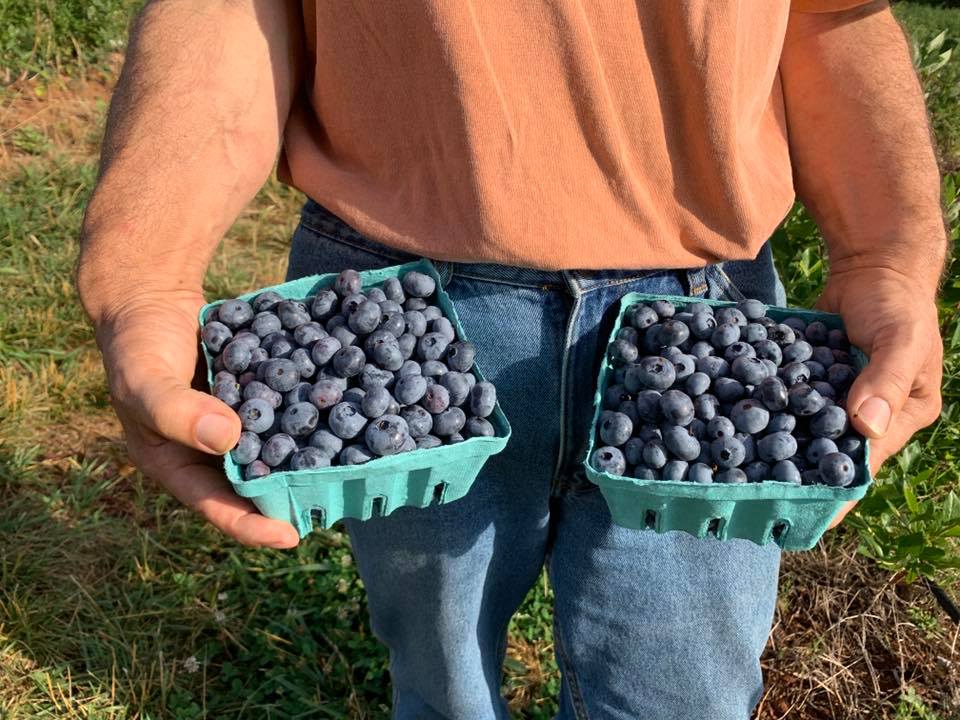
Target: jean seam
{"x": 621, "y": 281}
{"x": 573, "y": 683}
{"x": 484, "y": 278}
{"x": 727, "y": 286}
{"x": 565, "y": 388}
{"x": 353, "y": 244}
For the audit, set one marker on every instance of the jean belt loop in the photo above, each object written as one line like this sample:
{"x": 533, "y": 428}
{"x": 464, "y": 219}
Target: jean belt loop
{"x": 697, "y": 281}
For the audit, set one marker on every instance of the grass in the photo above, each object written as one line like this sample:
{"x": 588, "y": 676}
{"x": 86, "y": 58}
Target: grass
{"x": 117, "y": 603}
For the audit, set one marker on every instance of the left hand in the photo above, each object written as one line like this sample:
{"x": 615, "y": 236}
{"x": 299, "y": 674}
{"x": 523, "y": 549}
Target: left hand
{"x": 893, "y": 319}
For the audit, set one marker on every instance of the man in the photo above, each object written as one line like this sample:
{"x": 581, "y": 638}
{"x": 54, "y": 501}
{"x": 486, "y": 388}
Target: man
{"x": 552, "y": 156}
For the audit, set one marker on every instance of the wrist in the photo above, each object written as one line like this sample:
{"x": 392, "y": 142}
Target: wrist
{"x": 919, "y": 267}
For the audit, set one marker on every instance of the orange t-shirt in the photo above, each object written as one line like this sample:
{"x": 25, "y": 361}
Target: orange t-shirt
{"x": 548, "y": 133}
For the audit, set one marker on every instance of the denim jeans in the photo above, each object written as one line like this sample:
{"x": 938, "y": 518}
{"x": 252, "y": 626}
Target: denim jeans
{"x": 645, "y": 625}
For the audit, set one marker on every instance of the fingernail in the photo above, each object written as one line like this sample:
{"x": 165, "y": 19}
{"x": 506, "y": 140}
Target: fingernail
{"x": 874, "y": 412}
{"x": 215, "y": 432}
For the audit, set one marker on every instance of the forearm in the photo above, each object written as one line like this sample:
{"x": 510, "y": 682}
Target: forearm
{"x": 864, "y": 164}
{"x": 193, "y": 132}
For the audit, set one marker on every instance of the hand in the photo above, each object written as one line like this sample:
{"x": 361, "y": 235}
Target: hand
{"x": 894, "y": 321}
{"x": 174, "y": 434}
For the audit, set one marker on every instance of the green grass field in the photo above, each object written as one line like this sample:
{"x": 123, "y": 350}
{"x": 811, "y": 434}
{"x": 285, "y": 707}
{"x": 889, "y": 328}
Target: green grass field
{"x": 115, "y": 602}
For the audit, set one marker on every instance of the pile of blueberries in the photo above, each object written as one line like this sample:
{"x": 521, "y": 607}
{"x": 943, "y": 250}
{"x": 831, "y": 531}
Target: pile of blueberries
{"x": 344, "y": 376}
{"x": 728, "y": 396}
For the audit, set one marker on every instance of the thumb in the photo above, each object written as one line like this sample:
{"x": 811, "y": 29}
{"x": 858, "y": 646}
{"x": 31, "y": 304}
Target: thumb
{"x": 176, "y": 412}
{"x": 883, "y": 386}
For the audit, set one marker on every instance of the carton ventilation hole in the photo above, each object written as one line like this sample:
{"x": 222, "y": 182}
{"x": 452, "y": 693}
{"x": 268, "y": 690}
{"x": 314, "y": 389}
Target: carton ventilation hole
{"x": 714, "y": 526}
{"x": 318, "y": 518}
{"x": 376, "y": 507}
{"x": 438, "y": 490}
{"x": 779, "y": 530}
{"x": 650, "y": 519}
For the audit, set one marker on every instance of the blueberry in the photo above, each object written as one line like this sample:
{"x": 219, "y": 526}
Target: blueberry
{"x": 299, "y": 393}
{"x": 281, "y": 347}
{"x": 699, "y": 307}
{"x": 749, "y": 446}
{"x": 614, "y": 395}
{"x": 648, "y": 405}
{"x": 831, "y": 422}
{"x": 410, "y": 367}
{"x": 837, "y": 469}
{"x": 443, "y": 327}
{"x": 300, "y": 419}
{"x": 348, "y": 361}
{"x": 365, "y": 319}
{"x": 375, "y": 403}
{"x": 460, "y": 356}
{"x": 257, "y": 356}
{"x": 323, "y": 305}
{"x": 433, "y": 368}
{"x": 654, "y": 373}
{"x": 609, "y": 460}
{"x": 215, "y": 335}
{"x": 841, "y": 356}
{"x": 256, "y": 469}
{"x": 804, "y": 400}
{"x": 278, "y": 449}
{"x": 350, "y": 304}
{"x": 356, "y": 455}
{"x": 767, "y": 321}
{"x": 724, "y": 335}
{"x": 457, "y": 385}
{"x": 615, "y": 428}
{"x": 655, "y": 454}
{"x": 677, "y": 408}
{"x": 702, "y": 325}
{"x": 483, "y": 398}
{"x": 236, "y": 357}
{"x": 673, "y": 332}
{"x": 781, "y": 422}
{"x": 432, "y": 346}
{"x": 663, "y": 308}
{"x": 301, "y": 358}
{"x": 738, "y": 349}
{"x": 798, "y": 325}
{"x": 633, "y": 449}
{"x": 436, "y": 399}
{"x": 346, "y": 420}
{"x": 768, "y": 350}
{"x": 786, "y": 471}
{"x": 816, "y": 333}
{"x": 348, "y": 282}
{"x": 325, "y": 441}
{"x": 407, "y": 345}
{"x": 428, "y": 441}
{"x": 449, "y": 422}
{"x": 280, "y": 375}
{"x": 728, "y": 390}
{"x": 823, "y": 355}
{"x": 257, "y": 389}
{"x": 731, "y": 316}
{"x": 753, "y": 332}
{"x": 810, "y": 477}
{"x": 700, "y": 473}
{"x": 478, "y": 427}
{"x": 705, "y": 407}
{"x": 719, "y": 427}
{"x": 797, "y": 351}
{"x": 234, "y": 313}
{"x": 713, "y": 367}
{"x": 376, "y": 294}
{"x": 309, "y": 458}
{"x": 781, "y": 334}
{"x": 705, "y": 455}
{"x": 643, "y": 317}
{"x": 621, "y": 352}
{"x": 816, "y": 370}
{"x": 683, "y": 366}
{"x": 393, "y": 323}
{"x": 697, "y": 384}
{"x": 414, "y": 303}
{"x": 776, "y": 446}
{"x": 697, "y": 428}
{"x": 292, "y": 313}
{"x": 750, "y": 416}
{"x": 752, "y": 309}
{"x": 228, "y": 393}
{"x": 342, "y": 334}
{"x": 417, "y": 284}
{"x": 371, "y": 376}
{"x": 731, "y": 476}
{"x": 325, "y": 394}
{"x": 757, "y": 471}
{"x": 837, "y": 340}
{"x": 701, "y": 349}
{"x": 851, "y": 445}
{"x": 419, "y": 421}
{"x": 819, "y": 447}
{"x": 416, "y": 323}
{"x": 680, "y": 442}
{"x": 749, "y": 370}
{"x": 629, "y": 334}
{"x": 771, "y": 367}
{"x": 840, "y": 375}
{"x": 245, "y": 337}
{"x": 266, "y": 300}
{"x": 795, "y": 373}
{"x": 772, "y": 393}
{"x": 247, "y": 448}
{"x": 386, "y": 435}
{"x": 324, "y": 349}
{"x": 675, "y": 470}
{"x": 388, "y": 356}
{"x": 265, "y": 323}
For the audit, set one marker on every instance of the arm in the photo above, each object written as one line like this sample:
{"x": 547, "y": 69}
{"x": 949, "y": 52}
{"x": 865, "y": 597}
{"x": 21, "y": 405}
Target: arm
{"x": 193, "y": 132}
{"x": 864, "y": 165}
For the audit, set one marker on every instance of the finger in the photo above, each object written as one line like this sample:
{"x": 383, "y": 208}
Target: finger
{"x": 176, "y": 412}
{"x": 912, "y": 417}
{"x": 204, "y": 489}
{"x": 838, "y": 518}
{"x": 883, "y": 386}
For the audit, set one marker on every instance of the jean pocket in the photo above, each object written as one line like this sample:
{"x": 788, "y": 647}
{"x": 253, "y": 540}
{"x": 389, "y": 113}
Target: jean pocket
{"x": 720, "y": 286}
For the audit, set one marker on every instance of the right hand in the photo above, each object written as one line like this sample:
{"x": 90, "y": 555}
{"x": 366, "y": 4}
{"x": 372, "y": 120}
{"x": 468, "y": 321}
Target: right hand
{"x": 174, "y": 433}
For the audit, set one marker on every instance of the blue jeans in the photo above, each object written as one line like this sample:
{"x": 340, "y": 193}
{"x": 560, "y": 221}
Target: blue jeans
{"x": 645, "y": 625}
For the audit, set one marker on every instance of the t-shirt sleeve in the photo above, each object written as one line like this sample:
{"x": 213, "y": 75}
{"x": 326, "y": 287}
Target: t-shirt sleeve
{"x": 825, "y": 6}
